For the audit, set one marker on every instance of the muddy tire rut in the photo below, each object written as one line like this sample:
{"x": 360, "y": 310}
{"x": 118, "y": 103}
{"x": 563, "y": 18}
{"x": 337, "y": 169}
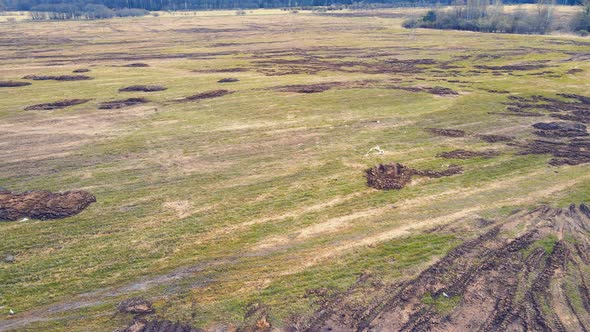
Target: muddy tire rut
{"x": 500, "y": 281}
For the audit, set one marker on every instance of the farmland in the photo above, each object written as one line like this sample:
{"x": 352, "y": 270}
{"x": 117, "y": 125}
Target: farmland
{"x": 228, "y": 158}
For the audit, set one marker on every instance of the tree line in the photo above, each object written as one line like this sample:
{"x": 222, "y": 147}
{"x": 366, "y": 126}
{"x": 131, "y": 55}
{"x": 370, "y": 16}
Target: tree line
{"x": 154, "y": 5}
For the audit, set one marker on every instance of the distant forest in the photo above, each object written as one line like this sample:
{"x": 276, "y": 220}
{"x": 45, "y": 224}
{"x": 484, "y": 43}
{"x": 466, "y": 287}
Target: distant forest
{"x": 46, "y": 5}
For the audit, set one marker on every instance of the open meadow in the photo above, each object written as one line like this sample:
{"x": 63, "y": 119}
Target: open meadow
{"x": 230, "y": 175}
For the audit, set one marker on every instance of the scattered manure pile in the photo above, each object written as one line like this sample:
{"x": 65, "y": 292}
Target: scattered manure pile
{"x": 207, "y": 95}
{"x": 41, "y": 204}
{"x": 13, "y": 84}
{"x": 397, "y": 176}
{"x": 116, "y": 104}
{"x": 142, "y": 88}
{"x": 56, "y": 105}
{"x": 527, "y": 273}
{"x": 57, "y": 78}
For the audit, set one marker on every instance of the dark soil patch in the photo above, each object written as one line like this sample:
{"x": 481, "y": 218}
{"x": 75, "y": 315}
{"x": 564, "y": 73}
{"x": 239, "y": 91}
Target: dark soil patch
{"x": 136, "y": 65}
{"x": 560, "y": 129}
{"x": 496, "y": 91}
{"x": 122, "y": 103}
{"x": 435, "y": 90}
{"x": 446, "y": 132}
{"x": 571, "y": 152}
{"x": 13, "y": 84}
{"x": 40, "y": 204}
{"x": 519, "y": 67}
{"x": 56, "y": 105}
{"x": 396, "y": 176}
{"x": 142, "y": 325}
{"x": 466, "y": 154}
{"x": 574, "y": 71}
{"x": 310, "y": 88}
{"x": 81, "y": 70}
{"x": 143, "y": 88}
{"x": 495, "y": 282}
{"x": 495, "y": 138}
{"x": 57, "y": 78}
{"x": 136, "y": 305}
{"x": 208, "y": 95}
{"x": 228, "y": 80}
{"x": 222, "y": 70}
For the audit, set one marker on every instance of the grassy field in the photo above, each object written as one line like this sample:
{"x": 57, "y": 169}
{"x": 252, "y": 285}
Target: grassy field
{"x": 259, "y": 196}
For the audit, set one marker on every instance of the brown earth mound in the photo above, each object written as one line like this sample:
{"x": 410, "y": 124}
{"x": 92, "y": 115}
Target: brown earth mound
{"x": 81, "y": 70}
{"x": 435, "y": 90}
{"x": 310, "y": 88}
{"x": 228, "y": 80}
{"x": 560, "y": 129}
{"x": 446, "y": 132}
{"x": 13, "y": 84}
{"x": 56, "y": 105}
{"x": 396, "y": 176}
{"x": 136, "y": 64}
{"x": 572, "y": 152}
{"x": 222, "y": 70}
{"x": 136, "y": 306}
{"x": 40, "y": 204}
{"x": 495, "y": 138}
{"x": 142, "y": 325}
{"x": 115, "y": 104}
{"x": 466, "y": 154}
{"x": 143, "y": 88}
{"x": 514, "y": 67}
{"x": 529, "y": 273}
{"x": 208, "y": 95}
{"x": 57, "y": 78}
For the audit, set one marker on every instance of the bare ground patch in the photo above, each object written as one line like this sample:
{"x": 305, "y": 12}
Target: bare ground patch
{"x": 142, "y": 88}
{"x": 13, "y": 84}
{"x": 56, "y": 105}
{"x": 397, "y": 176}
{"x": 40, "y": 204}
{"x": 115, "y": 104}
{"x": 467, "y": 154}
{"x": 207, "y": 95}
{"x": 446, "y": 132}
{"x": 57, "y": 78}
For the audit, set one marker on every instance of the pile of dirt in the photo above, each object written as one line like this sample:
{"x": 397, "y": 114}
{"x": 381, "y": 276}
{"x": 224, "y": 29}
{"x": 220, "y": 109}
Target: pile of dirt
{"x": 56, "y": 105}
{"x": 519, "y": 67}
{"x": 309, "y": 88}
{"x": 142, "y": 308}
{"x": 115, "y": 104}
{"x": 466, "y": 154}
{"x": 136, "y": 65}
{"x": 57, "y": 78}
{"x": 397, "y": 176}
{"x": 158, "y": 325}
{"x": 566, "y": 143}
{"x": 142, "y": 88}
{"x": 446, "y": 132}
{"x": 495, "y": 138}
{"x": 574, "y": 71}
{"x": 136, "y": 305}
{"x": 208, "y": 95}
{"x": 528, "y": 273}
{"x": 435, "y": 90}
{"x": 571, "y": 152}
{"x": 228, "y": 80}
{"x": 41, "y": 204}
{"x": 81, "y": 70}
{"x": 560, "y": 129}
{"x": 222, "y": 70}
{"x": 13, "y": 84}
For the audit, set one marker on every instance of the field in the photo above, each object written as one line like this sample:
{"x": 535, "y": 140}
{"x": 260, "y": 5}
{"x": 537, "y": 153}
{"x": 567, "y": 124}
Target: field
{"x": 245, "y": 203}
